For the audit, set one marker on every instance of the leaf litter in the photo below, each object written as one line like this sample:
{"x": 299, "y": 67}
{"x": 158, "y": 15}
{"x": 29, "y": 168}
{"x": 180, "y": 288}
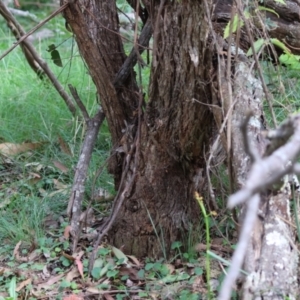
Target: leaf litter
{"x": 46, "y": 269}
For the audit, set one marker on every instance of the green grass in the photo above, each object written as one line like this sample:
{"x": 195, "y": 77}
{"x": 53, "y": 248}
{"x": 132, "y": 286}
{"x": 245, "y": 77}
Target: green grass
{"x": 31, "y": 110}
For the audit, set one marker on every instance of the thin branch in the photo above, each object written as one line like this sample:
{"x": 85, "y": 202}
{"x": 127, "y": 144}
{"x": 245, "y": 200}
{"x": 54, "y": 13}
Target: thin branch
{"x": 35, "y": 58}
{"x": 131, "y": 60}
{"x": 260, "y": 73}
{"x": 78, "y": 188}
{"x": 263, "y": 173}
{"x": 42, "y": 23}
{"x": 239, "y": 253}
{"x": 79, "y": 103}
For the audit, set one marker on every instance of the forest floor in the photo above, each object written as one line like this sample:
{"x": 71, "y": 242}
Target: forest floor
{"x": 35, "y": 257}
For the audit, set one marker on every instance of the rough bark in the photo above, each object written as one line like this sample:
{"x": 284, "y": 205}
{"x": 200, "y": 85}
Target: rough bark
{"x": 162, "y": 205}
{"x": 174, "y": 127}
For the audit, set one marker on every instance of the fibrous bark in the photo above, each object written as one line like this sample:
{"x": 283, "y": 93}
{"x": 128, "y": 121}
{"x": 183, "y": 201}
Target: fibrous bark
{"x": 173, "y": 128}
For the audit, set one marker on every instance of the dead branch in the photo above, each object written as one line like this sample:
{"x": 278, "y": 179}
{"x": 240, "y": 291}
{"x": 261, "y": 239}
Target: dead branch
{"x": 131, "y": 60}
{"x": 263, "y": 173}
{"x": 23, "y": 13}
{"x": 271, "y": 169}
{"x": 78, "y": 188}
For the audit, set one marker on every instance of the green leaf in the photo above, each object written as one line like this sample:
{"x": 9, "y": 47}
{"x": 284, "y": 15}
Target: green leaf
{"x": 280, "y": 45}
{"x": 65, "y": 284}
{"x": 262, "y": 8}
{"x": 281, "y": 2}
{"x": 96, "y": 273}
{"x": 143, "y": 294}
{"x": 103, "y": 251}
{"x": 119, "y": 255}
{"x": 56, "y": 58}
{"x": 112, "y": 273}
{"x": 12, "y": 288}
{"x": 177, "y": 277}
{"x": 257, "y": 46}
{"x": 105, "y": 269}
{"x": 141, "y": 274}
{"x": 290, "y": 60}
{"x": 198, "y": 271}
{"x": 176, "y": 245}
{"x": 149, "y": 266}
{"x": 232, "y": 26}
{"x": 99, "y": 262}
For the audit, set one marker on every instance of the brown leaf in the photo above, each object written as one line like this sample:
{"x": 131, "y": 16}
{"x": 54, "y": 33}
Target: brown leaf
{"x": 50, "y": 282}
{"x": 64, "y": 146}
{"x": 14, "y": 149}
{"x": 130, "y": 272}
{"x": 59, "y": 186}
{"x": 34, "y": 255}
{"x": 79, "y": 266}
{"x": 67, "y": 232}
{"x": 108, "y": 296}
{"x": 16, "y": 250}
{"x": 73, "y": 297}
{"x": 73, "y": 273}
{"x": 69, "y": 257}
{"x": 23, "y": 284}
{"x": 60, "y": 166}
{"x": 135, "y": 260}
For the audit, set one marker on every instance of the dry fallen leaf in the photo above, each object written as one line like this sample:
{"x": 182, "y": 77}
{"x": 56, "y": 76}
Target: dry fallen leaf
{"x": 67, "y": 232}
{"x": 64, "y": 146}
{"x": 108, "y": 296}
{"x": 16, "y": 250}
{"x": 50, "y": 282}
{"x": 14, "y": 149}
{"x": 73, "y": 273}
{"x": 23, "y": 284}
{"x": 73, "y": 297}
{"x": 59, "y": 186}
{"x": 80, "y": 267}
{"x": 60, "y": 166}
{"x": 134, "y": 260}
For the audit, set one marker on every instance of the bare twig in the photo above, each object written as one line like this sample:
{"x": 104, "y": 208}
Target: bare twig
{"x": 42, "y": 23}
{"x": 33, "y": 58}
{"x": 258, "y": 66}
{"x": 76, "y": 198}
{"x": 79, "y": 103}
{"x": 23, "y": 13}
{"x": 239, "y": 253}
{"x": 131, "y": 60}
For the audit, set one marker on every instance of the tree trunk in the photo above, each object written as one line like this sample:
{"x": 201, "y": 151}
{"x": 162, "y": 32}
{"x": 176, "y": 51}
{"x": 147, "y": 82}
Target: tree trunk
{"x": 174, "y": 128}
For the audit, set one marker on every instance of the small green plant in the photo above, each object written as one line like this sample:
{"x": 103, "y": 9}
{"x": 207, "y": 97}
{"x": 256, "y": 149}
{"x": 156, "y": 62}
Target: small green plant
{"x": 207, "y": 227}
{"x": 11, "y": 290}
